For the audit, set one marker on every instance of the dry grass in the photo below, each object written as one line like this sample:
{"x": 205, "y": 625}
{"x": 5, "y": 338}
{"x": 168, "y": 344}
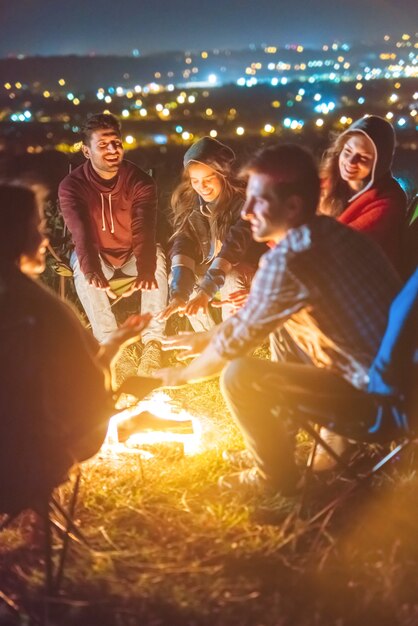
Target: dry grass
{"x": 169, "y": 549}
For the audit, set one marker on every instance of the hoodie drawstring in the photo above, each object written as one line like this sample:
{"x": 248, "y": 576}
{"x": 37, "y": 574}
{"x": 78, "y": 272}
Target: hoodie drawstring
{"x": 112, "y": 225}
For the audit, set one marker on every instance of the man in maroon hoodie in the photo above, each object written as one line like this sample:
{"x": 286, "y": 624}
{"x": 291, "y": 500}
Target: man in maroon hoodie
{"x": 110, "y": 208}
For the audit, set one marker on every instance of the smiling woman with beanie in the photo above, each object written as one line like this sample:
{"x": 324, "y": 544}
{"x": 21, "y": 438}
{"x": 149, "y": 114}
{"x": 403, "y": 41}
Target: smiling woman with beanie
{"x": 212, "y": 249}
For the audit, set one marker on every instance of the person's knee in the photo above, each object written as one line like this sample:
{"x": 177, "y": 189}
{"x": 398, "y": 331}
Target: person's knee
{"x": 237, "y": 375}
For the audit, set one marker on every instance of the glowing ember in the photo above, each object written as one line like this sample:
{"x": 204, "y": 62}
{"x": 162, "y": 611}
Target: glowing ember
{"x": 160, "y": 406}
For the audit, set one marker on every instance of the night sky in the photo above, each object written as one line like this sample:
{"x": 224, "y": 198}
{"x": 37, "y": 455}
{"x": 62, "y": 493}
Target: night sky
{"x": 49, "y": 27}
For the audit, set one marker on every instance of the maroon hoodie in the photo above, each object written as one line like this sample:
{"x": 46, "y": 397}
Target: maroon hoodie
{"x": 111, "y": 221}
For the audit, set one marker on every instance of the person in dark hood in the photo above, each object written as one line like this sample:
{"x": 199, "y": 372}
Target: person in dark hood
{"x": 360, "y": 191}
{"x": 110, "y": 208}
{"x": 212, "y": 248}
{"x": 358, "y": 186}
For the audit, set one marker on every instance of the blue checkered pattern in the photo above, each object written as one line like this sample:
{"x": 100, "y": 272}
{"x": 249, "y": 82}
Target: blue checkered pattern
{"x": 331, "y": 286}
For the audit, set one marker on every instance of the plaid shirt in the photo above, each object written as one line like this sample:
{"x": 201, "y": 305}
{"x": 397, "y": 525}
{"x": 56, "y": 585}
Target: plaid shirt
{"x": 333, "y": 288}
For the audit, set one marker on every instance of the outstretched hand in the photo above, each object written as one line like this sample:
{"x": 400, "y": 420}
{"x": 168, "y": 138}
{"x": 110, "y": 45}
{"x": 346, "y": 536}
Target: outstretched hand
{"x": 192, "y": 344}
{"x": 171, "y": 376}
{"x": 200, "y": 301}
{"x": 98, "y": 281}
{"x": 140, "y": 284}
{"x": 237, "y": 299}
{"x": 129, "y": 332}
{"x": 176, "y": 305}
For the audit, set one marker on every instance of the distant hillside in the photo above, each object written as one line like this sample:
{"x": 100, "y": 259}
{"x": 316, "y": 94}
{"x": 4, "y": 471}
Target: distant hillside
{"x": 87, "y": 73}
{"x": 84, "y": 74}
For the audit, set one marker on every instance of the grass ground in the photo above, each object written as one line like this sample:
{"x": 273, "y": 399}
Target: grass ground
{"x": 169, "y": 550}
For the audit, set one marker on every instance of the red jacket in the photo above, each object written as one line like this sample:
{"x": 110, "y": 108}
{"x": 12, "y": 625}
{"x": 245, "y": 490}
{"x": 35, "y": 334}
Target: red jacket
{"x": 111, "y": 222}
{"x": 380, "y": 212}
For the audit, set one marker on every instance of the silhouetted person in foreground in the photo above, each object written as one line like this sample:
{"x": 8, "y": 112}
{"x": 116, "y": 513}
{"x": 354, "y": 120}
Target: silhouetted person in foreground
{"x": 55, "y": 392}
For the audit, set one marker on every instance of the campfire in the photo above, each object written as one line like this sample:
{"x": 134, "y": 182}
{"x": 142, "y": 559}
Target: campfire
{"x": 154, "y": 421}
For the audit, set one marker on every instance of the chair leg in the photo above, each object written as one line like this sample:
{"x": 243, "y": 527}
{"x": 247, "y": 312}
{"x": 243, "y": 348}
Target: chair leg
{"x": 314, "y": 433}
{"x": 68, "y": 530}
{"x": 361, "y": 481}
{"x": 308, "y": 476}
{"x": 49, "y": 570}
{"x": 69, "y": 516}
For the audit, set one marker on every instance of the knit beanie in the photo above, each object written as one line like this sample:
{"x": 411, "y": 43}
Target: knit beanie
{"x": 210, "y": 152}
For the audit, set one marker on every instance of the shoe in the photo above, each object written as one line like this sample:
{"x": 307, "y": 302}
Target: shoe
{"x": 150, "y": 359}
{"x": 239, "y": 458}
{"x": 323, "y": 462}
{"x": 248, "y": 480}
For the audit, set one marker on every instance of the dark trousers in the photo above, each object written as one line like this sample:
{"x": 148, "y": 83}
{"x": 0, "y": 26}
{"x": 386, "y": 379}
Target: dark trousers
{"x": 263, "y": 396}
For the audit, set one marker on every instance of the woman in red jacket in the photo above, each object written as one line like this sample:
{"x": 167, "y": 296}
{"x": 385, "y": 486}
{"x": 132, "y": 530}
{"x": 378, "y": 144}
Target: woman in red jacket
{"x": 358, "y": 186}
{"x": 360, "y": 191}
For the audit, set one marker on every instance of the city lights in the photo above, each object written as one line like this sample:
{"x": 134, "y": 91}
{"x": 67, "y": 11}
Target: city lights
{"x": 305, "y": 83}
{"x": 268, "y": 128}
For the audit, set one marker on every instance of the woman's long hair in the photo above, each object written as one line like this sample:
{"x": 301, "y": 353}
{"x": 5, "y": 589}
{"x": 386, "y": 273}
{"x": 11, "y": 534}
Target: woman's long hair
{"x": 335, "y": 192}
{"x": 183, "y": 202}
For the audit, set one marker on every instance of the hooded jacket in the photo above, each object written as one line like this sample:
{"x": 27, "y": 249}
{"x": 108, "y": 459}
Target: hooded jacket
{"x": 112, "y": 222}
{"x": 379, "y": 209}
{"x": 198, "y": 252}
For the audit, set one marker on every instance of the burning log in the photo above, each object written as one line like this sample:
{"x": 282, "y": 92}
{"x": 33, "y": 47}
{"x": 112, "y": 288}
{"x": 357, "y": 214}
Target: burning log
{"x": 147, "y": 421}
{"x": 155, "y": 420}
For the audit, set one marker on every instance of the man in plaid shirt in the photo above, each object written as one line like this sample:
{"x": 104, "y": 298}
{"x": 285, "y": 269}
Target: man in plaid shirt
{"x": 332, "y": 289}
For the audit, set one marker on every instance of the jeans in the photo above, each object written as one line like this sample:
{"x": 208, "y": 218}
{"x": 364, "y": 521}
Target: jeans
{"x": 262, "y": 395}
{"x": 97, "y": 306}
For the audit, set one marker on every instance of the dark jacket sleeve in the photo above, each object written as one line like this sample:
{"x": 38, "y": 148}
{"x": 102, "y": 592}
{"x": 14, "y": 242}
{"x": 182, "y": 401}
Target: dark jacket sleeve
{"x": 144, "y": 225}
{"x": 184, "y": 254}
{"x": 76, "y": 215}
{"x": 237, "y": 242}
{"x": 235, "y": 249}
{"x": 182, "y": 282}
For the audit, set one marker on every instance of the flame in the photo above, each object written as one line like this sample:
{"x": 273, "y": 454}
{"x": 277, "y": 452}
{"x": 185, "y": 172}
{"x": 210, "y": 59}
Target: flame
{"x": 160, "y": 405}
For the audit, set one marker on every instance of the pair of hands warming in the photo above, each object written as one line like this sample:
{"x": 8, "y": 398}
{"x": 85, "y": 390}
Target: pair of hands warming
{"x": 180, "y": 306}
{"x": 99, "y": 281}
{"x": 191, "y": 345}
{"x": 201, "y": 301}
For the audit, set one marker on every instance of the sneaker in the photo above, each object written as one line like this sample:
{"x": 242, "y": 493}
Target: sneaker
{"x": 252, "y": 482}
{"x": 239, "y": 458}
{"x": 248, "y": 480}
{"x": 323, "y": 462}
{"x": 150, "y": 358}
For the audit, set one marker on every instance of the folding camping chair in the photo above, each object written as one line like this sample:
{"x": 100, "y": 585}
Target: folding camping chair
{"x": 393, "y": 389}
{"x": 56, "y": 520}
